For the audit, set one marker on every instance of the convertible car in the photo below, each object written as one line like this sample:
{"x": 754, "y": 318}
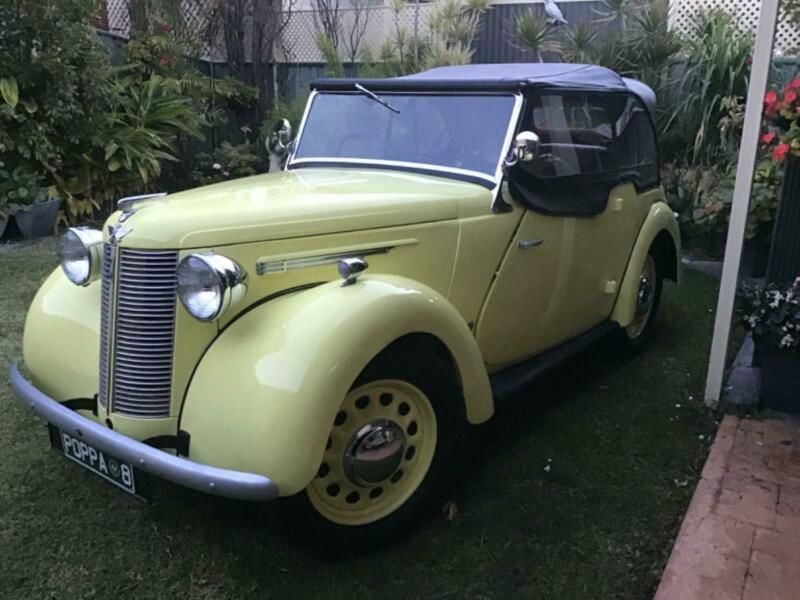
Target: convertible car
{"x": 331, "y": 331}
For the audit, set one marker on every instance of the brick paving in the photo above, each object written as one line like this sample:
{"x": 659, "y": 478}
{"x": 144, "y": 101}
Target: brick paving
{"x": 740, "y": 538}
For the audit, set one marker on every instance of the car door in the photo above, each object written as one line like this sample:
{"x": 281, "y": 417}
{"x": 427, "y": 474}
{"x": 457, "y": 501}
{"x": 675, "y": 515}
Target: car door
{"x": 562, "y": 270}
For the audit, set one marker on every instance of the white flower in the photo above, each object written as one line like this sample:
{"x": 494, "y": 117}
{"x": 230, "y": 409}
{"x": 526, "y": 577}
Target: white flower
{"x": 787, "y": 341}
{"x": 226, "y": 173}
{"x": 776, "y": 298}
{"x": 216, "y": 166}
{"x": 677, "y": 406}
{"x": 547, "y": 469}
{"x": 701, "y": 437}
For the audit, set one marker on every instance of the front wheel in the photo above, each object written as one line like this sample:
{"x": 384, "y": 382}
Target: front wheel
{"x": 391, "y": 452}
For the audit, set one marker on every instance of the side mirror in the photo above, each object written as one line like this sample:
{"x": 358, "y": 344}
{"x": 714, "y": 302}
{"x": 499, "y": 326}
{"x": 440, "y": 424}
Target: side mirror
{"x": 279, "y": 141}
{"x": 283, "y": 131}
{"x": 526, "y": 146}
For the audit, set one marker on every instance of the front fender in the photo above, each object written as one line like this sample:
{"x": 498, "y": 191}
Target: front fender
{"x": 61, "y": 341}
{"x": 265, "y": 394}
{"x": 659, "y": 220}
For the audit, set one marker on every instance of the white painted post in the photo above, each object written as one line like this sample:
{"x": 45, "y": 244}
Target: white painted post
{"x": 762, "y": 58}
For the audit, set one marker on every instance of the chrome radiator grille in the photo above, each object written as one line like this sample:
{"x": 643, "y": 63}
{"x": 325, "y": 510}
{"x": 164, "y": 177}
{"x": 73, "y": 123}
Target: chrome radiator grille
{"x": 143, "y": 331}
{"x": 106, "y": 317}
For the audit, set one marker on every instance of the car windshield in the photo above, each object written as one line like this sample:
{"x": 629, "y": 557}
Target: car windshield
{"x": 464, "y": 132}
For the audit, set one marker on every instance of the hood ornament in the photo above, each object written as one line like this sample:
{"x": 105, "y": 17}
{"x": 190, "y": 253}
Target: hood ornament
{"x": 116, "y": 232}
{"x": 128, "y": 204}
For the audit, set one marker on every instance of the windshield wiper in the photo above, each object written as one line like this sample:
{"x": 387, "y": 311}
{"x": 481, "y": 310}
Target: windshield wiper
{"x": 375, "y": 97}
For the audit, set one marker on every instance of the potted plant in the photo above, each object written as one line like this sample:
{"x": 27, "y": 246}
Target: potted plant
{"x": 772, "y": 314}
{"x": 27, "y": 202}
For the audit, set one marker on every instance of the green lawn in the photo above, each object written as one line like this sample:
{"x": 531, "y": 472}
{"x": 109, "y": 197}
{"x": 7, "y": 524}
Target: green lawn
{"x": 597, "y": 526}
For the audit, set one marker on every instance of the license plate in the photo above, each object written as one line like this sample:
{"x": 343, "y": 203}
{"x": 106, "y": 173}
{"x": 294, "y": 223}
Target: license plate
{"x": 101, "y": 463}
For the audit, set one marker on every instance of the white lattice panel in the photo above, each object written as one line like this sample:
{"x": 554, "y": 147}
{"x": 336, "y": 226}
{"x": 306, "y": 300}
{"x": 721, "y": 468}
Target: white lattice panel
{"x": 683, "y": 14}
{"x": 119, "y": 21}
{"x": 299, "y": 38}
{"x": 196, "y": 15}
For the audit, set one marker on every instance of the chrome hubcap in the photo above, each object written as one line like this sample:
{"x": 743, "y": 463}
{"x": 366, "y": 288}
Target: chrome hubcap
{"x": 644, "y": 300}
{"x": 374, "y": 452}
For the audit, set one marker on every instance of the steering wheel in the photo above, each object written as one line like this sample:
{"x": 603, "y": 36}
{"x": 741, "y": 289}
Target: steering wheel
{"x": 554, "y": 162}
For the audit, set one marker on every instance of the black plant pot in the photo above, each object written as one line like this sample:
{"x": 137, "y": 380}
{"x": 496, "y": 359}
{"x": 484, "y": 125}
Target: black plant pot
{"x": 780, "y": 380}
{"x": 755, "y": 255}
{"x": 38, "y": 220}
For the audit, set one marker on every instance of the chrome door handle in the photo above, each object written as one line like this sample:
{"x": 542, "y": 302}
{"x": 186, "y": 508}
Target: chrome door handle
{"x": 523, "y": 244}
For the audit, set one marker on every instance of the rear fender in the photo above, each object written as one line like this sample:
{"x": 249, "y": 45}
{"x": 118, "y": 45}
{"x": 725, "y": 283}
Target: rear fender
{"x": 660, "y": 232}
{"x": 265, "y": 394}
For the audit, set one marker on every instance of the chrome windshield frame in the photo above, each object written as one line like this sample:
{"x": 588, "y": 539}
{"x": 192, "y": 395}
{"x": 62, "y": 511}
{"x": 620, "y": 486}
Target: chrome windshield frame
{"x": 492, "y": 182}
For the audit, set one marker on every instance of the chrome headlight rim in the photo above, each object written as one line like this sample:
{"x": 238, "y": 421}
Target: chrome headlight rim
{"x": 90, "y": 242}
{"x": 229, "y": 277}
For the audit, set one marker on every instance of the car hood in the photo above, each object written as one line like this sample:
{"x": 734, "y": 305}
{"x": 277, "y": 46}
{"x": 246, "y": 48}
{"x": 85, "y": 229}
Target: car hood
{"x": 292, "y": 204}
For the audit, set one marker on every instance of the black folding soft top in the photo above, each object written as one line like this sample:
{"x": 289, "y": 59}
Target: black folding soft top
{"x": 502, "y": 77}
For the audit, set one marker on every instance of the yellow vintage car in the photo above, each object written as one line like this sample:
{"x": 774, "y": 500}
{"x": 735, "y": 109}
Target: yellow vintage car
{"x": 332, "y": 330}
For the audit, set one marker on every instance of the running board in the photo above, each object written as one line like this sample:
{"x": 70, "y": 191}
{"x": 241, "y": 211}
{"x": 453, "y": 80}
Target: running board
{"x": 507, "y": 382}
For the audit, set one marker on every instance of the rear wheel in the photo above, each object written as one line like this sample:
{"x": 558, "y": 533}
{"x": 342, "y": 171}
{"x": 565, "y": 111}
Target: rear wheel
{"x": 648, "y": 298}
{"x": 391, "y": 451}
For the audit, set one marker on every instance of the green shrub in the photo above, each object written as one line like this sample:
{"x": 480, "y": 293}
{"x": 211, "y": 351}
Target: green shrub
{"x": 229, "y": 162}
{"x": 56, "y": 84}
{"x": 703, "y": 197}
{"x": 716, "y": 74}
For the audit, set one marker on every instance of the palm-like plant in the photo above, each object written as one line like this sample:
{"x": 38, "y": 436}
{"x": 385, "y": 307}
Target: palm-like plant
{"x": 140, "y": 132}
{"x": 579, "y": 43}
{"x": 535, "y": 34}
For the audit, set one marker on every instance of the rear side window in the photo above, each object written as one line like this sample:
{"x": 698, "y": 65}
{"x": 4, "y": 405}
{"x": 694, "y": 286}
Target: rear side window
{"x": 606, "y": 136}
{"x": 635, "y": 147}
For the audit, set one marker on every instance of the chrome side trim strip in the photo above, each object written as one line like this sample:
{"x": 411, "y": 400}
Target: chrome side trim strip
{"x": 268, "y": 265}
{"x": 203, "y": 478}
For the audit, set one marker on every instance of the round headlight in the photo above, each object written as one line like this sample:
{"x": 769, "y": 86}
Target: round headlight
{"x": 209, "y": 284}
{"x": 79, "y": 250}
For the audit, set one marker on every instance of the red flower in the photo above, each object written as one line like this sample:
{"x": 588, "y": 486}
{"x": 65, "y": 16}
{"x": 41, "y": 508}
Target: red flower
{"x": 789, "y": 97}
{"x": 794, "y": 84}
{"x": 771, "y": 98}
{"x": 164, "y": 61}
{"x": 780, "y": 152}
{"x": 770, "y": 102}
{"x": 166, "y": 28}
{"x": 768, "y": 138}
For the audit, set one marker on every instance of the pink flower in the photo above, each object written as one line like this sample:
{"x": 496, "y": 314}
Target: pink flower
{"x": 780, "y": 152}
{"x": 770, "y": 103}
{"x": 794, "y": 84}
{"x": 164, "y": 61}
{"x": 166, "y": 28}
{"x": 789, "y": 97}
{"x": 768, "y": 138}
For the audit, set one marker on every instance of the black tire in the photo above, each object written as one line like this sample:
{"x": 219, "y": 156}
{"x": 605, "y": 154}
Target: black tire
{"x": 435, "y": 376}
{"x": 635, "y": 341}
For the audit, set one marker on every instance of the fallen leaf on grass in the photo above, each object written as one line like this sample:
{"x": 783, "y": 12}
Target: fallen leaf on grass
{"x": 450, "y": 511}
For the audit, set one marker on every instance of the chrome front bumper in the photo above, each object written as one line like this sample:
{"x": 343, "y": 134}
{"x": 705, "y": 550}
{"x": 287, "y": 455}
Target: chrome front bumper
{"x": 203, "y": 478}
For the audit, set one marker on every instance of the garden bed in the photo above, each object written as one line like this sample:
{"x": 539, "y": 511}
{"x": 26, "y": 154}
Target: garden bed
{"x": 575, "y": 491}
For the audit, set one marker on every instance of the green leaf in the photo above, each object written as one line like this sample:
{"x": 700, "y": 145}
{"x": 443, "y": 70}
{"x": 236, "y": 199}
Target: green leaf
{"x": 9, "y": 90}
{"x": 111, "y": 148}
{"x": 114, "y": 165}
{"x": 29, "y": 104}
